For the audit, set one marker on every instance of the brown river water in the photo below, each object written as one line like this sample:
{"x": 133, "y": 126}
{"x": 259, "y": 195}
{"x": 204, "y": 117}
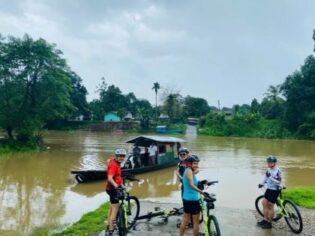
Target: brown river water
{"x": 38, "y": 192}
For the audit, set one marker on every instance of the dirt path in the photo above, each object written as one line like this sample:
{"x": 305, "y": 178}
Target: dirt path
{"x": 232, "y": 222}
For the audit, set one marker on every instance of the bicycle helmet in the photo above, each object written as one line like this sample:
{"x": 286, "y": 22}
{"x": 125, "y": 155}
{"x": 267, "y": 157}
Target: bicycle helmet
{"x": 193, "y": 158}
{"x": 120, "y": 152}
{"x": 271, "y": 159}
{"x": 183, "y": 149}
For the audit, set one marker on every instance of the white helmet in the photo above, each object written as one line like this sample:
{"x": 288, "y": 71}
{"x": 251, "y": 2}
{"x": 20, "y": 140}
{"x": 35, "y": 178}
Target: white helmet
{"x": 120, "y": 152}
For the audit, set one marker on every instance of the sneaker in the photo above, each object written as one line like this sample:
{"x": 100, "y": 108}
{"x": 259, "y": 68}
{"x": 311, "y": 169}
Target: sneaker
{"x": 262, "y": 222}
{"x": 267, "y": 225}
{"x": 109, "y": 232}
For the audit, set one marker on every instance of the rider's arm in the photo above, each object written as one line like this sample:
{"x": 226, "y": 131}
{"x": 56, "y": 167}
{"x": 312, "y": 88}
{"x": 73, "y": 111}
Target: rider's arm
{"x": 111, "y": 170}
{"x": 111, "y": 180}
{"x": 264, "y": 180}
{"x": 189, "y": 174}
{"x": 277, "y": 179}
{"x": 178, "y": 174}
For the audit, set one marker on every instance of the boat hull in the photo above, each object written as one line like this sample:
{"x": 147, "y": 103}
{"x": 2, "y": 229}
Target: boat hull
{"x": 84, "y": 176}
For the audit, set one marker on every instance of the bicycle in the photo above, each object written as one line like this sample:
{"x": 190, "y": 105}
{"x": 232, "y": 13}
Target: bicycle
{"x": 129, "y": 208}
{"x": 211, "y": 223}
{"x": 284, "y": 208}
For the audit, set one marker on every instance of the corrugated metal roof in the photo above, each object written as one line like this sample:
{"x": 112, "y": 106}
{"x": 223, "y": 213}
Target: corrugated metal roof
{"x": 155, "y": 138}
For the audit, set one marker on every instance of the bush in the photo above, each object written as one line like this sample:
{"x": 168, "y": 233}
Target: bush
{"x": 242, "y": 125}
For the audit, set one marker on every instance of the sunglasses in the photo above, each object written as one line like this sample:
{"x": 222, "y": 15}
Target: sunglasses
{"x": 182, "y": 154}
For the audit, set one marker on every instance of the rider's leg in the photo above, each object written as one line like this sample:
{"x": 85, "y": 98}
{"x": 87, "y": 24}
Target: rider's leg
{"x": 195, "y": 222}
{"x": 271, "y": 211}
{"x": 113, "y": 215}
{"x": 108, "y": 216}
{"x": 265, "y": 208}
{"x": 185, "y": 221}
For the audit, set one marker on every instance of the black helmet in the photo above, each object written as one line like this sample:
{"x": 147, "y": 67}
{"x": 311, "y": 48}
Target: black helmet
{"x": 183, "y": 149}
{"x": 271, "y": 159}
{"x": 193, "y": 158}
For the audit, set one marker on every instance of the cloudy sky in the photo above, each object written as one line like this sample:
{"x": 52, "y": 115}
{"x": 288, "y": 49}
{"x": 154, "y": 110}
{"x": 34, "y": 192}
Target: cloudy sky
{"x": 228, "y": 50}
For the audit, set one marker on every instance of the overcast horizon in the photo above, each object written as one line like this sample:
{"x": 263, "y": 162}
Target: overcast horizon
{"x": 211, "y": 49}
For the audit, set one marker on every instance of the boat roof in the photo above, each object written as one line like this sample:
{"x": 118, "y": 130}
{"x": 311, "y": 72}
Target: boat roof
{"x": 146, "y": 140}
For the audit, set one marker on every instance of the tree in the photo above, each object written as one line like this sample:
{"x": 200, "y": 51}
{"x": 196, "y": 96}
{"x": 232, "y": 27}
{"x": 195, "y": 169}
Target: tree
{"x": 156, "y": 88}
{"x": 272, "y": 106}
{"x": 195, "y": 107}
{"x": 144, "y": 112}
{"x": 35, "y": 86}
{"x": 78, "y": 96}
{"x": 255, "y": 106}
{"x": 299, "y": 91}
{"x": 173, "y": 106}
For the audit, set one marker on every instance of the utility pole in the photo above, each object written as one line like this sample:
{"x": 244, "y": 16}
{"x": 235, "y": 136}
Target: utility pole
{"x": 219, "y": 105}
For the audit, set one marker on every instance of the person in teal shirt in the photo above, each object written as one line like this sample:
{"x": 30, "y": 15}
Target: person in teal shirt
{"x": 191, "y": 196}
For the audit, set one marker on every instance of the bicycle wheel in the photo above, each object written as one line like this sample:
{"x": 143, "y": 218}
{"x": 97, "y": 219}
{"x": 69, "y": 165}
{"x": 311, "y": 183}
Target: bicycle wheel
{"x": 293, "y": 216}
{"x": 133, "y": 210}
{"x": 121, "y": 222}
{"x": 213, "y": 226}
{"x": 259, "y": 208}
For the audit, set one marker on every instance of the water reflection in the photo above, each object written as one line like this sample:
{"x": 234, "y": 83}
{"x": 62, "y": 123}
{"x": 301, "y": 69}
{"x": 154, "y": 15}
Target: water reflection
{"x": 30, "y": 196}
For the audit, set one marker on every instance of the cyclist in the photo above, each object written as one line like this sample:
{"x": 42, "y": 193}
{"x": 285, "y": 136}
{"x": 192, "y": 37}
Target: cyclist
{"x": 182, "y": 165}
{"x": 191, "y": 196}
{"x": 114, "y": 181}
{"x": 272, "y": 180}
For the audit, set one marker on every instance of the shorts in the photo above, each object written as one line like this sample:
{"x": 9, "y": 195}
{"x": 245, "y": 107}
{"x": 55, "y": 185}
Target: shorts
{"x": 113, "y": 196}
{"x": 272, "y": 195}
{"x": 192, "y": 207}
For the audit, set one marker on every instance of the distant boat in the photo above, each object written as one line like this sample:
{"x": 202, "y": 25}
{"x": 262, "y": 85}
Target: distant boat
{"x": 192, "y": 121}
{"x": 162, "y": 129}
{"x": 167, "y": 157}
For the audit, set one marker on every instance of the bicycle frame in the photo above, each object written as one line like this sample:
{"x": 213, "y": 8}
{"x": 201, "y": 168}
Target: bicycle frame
{"x": 205, "y": 212}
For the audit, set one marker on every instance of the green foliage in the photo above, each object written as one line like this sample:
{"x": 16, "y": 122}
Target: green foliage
{"x": 303, "y": 196}
{"x": 78, "y": 97}
{"x": 35, "y": 86}
{"x": 299, "y": 91}
{"x": 272, "y": 106}
{"x": 241, "y": 125}
{"x": 112, "y": 99}
{"x": 173, "y": 106}
{"x": 195, "y": 107}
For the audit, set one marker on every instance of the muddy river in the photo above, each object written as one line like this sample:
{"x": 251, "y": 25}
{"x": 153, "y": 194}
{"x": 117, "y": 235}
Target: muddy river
{"x": 38, "y": 192}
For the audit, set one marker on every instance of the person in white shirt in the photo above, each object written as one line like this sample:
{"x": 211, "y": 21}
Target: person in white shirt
{"x": 153, "y": 151}
{"x": 272, "y": 181}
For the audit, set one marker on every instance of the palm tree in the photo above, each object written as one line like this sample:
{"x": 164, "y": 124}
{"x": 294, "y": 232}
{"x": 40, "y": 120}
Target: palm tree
{"x": 156, "y": 87}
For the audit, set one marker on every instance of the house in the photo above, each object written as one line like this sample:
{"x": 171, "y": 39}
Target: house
{"x": 128, "y": 116}
{"x": 111, "y": 117}
{"x": 164, "y": 117}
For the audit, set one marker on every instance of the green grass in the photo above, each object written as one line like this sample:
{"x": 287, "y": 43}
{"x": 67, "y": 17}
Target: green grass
{"x": 302, "y": 196}
{"x": 90, "y": 224}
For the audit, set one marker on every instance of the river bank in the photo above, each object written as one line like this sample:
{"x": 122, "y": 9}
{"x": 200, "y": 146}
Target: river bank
{"x": 93, "y": 222}
{"x": 232, "y": 221}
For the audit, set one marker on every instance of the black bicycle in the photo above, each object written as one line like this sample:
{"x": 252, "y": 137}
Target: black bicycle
{"x": 129, "y": 208}
{"x": 284, "y": 208}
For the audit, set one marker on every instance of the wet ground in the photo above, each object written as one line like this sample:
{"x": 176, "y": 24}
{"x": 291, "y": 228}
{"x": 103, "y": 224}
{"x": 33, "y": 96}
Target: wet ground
{"x": 240, "y": 222}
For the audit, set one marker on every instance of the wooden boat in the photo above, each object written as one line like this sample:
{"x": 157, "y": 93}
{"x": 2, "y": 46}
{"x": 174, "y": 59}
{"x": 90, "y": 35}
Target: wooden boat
{"x": 167, "y": 157}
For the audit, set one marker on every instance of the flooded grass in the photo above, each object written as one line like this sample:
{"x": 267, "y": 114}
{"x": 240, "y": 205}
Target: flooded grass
{"x": 90, "y": 223}
{"x": 303, "y": 196}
